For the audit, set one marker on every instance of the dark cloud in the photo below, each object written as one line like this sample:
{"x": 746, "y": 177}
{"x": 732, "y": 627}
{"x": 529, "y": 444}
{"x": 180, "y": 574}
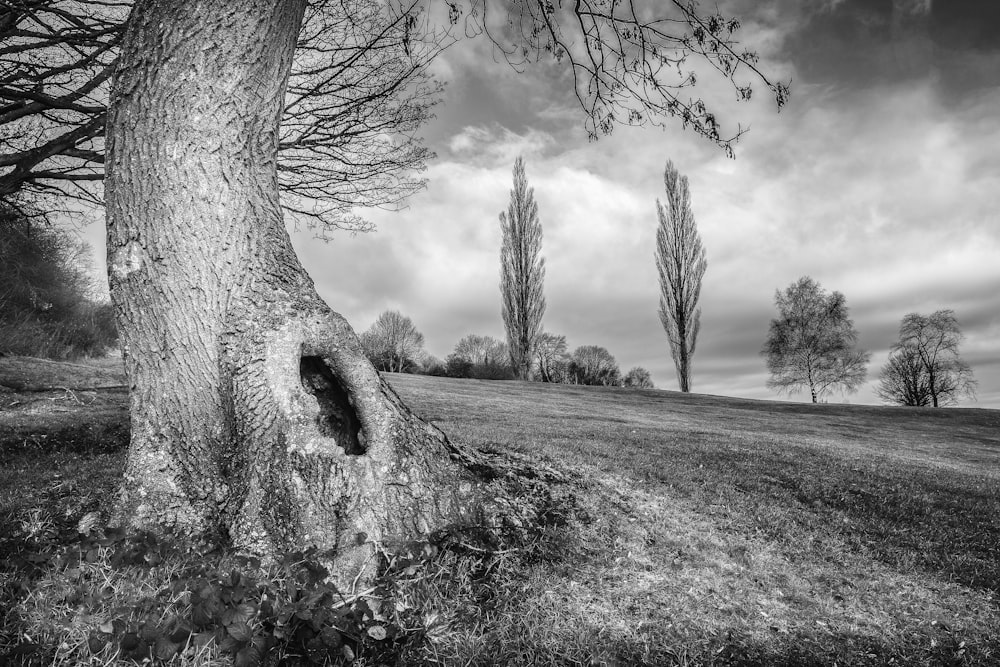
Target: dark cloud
{"x": 859, "y": 44}
{"x": 965, "y": 25}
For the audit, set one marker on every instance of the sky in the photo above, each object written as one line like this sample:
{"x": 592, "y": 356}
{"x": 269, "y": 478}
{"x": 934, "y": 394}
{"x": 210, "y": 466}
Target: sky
{"x": 880, "y": 179}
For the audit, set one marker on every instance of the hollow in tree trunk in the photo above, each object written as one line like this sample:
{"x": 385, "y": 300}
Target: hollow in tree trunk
{"x": 256, "y": 418}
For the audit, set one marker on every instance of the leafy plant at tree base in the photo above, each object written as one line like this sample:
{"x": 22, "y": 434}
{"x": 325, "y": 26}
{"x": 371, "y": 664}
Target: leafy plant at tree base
{"x": 289, "y": 611}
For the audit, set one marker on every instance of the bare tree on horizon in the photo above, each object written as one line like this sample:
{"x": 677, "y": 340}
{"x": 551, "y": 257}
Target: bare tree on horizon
{"x": 681, "y": 264}
{"x": 392, "y": 341}
{"x": 522, "y": 273}
{"x": 925, "y": 367}
{"x": 552, "y": 356}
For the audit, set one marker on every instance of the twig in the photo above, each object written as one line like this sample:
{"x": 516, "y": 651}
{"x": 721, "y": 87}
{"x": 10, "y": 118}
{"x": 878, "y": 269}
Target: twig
{"x": 353, "y": 598}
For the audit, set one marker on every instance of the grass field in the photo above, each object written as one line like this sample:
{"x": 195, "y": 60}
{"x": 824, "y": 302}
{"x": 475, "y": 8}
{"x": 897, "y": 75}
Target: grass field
{"x": 704, "y": 530}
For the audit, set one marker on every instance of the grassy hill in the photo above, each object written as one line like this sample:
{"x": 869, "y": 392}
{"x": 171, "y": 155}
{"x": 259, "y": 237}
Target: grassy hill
{"x": 695, "y": 529}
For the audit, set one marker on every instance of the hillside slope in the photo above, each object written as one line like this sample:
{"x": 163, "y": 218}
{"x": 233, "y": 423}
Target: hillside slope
{"x": 758, "y": 531}
{"x": 704, "y": 530}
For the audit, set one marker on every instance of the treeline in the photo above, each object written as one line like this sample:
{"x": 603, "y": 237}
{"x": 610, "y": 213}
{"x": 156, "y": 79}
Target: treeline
{"x": 46, "y": 303}
{"x": 394, "y": 344}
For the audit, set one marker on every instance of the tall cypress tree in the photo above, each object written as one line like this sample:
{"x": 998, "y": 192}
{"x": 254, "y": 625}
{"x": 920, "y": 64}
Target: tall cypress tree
{"x": 521, "y": 273}
{"x": 680, "y": 260}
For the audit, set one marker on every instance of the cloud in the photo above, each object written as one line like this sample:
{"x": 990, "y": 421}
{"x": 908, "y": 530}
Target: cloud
{"x": 496, "y": 145}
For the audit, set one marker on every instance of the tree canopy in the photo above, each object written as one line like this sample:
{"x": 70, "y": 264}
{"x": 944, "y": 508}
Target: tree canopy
{"x": 593, "y": 365}
{"x": 812, "y": 343}
{"x": 393, "y": 343}
{"x": 924, "y": 367}
{"x": 358, "y": 93}
{"x": 638, "y": 378}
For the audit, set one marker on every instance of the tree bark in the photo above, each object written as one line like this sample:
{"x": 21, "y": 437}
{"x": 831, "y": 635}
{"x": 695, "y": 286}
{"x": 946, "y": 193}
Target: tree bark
{"x": 683, "y": 368}
{"x": 256, "y": 418}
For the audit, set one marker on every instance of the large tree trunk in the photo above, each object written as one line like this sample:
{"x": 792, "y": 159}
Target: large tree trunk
{"x": 256, "y": 417}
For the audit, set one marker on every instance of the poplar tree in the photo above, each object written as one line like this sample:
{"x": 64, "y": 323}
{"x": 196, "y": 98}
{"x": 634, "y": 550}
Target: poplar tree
{"x": 681, "y": 263}
{"x": 522, "y": 272}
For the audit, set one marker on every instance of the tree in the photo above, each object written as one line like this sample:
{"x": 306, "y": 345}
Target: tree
{"x": 812, "y": 342}
{"x": 522, "y": 272}
{"x": 638, "y": 378}
{"x": 256, "y": 419}
{"x": 487, "y": 357}
{"x": 46, "y": 308}
{"x": 594, "y": 365}
{"x": 357, "y": 93}
{"x": 681, "y": 263}
{"x": 481, "y": 350}
{"x": 553, "y": 360}
{"x": 393, "y": 343}
{"x": 925, "y": 367}
{"x": 434, "y": 366}
{"x": 903, "y": 380}
{"x": 459, "y": 366}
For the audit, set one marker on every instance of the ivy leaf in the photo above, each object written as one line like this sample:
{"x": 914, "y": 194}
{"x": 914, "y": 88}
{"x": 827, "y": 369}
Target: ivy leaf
{"x": 230, "y": 645}
{"x": 201, "y": 615}
{"x": 129, "y": 641}
{"x": 96, "y": 643}
{"x": 166, "y": 649}
{"x": 249, "y": 656}
{"x": 239, "y": 615}
{"x": 241, "y": 632}
{"x": 331, "y": 638}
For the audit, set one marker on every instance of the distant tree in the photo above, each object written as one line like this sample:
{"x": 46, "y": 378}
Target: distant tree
{"x": 393, "y": 343}
{"x": 481, "y": 350}
{"x": 594, "y": 365}
{"x": 812, "y": 343}
{"x": 487, "y": 357}
{"x": 46, "y": 308}
{"x": 925, "y": 367}
{"x": 522, "y": 272}
{"x": 552, "y": 357}
{"x": 903, "y": 380}
{"x": 458, "y": 366}
{"x": 681, "y": 263}
{"x": 639, "y": 378}
{"x": 431, "y": 365}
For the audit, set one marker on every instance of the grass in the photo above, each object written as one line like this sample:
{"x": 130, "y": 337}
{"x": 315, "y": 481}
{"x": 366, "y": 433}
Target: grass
{"x": 692, "y": 530}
